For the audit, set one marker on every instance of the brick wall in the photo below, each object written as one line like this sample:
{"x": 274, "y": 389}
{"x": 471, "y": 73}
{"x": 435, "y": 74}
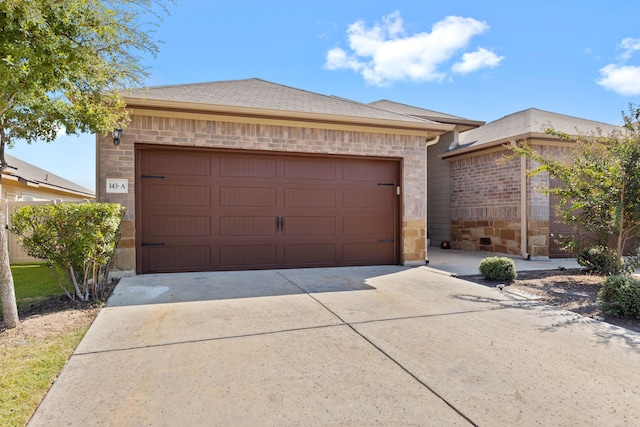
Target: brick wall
{"x": 118, "y": 162}
{"x": 485, "y": 187}
{"x": 485, "y": 200}
{"x": 485, "y": 205}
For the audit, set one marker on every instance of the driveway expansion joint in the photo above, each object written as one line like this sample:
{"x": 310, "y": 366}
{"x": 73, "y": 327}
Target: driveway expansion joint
{"x": 385, "y": 354}
{"x": 228, "y": 337}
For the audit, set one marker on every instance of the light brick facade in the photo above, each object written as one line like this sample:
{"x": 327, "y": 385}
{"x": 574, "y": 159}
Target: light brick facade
{"x": 190, "y": 131}
{"x": 486, "y": 202}
{"x": 486, "y": 205}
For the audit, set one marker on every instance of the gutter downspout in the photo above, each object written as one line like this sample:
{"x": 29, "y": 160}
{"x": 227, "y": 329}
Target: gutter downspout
{"x": 524, "y": 228}
{"x": 429, "y": 143}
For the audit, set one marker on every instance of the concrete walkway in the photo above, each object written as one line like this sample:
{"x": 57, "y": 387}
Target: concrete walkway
{"x": 463, "y": 263}
{"x": 344, "y": 346}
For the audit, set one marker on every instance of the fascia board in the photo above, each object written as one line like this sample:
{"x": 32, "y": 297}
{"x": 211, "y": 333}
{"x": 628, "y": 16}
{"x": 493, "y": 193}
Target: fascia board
{"x": 533, "y": 138}
{"x": 138, "y": 104}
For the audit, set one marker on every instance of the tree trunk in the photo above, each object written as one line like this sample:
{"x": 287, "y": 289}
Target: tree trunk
{"x": 7, "y": 291}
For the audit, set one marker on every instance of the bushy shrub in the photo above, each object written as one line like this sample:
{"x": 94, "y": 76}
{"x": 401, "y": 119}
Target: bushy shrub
{"x": 498, "y": 268}
{"x": 598, "y": 259}
{"x": 620, "y": 296}
{"x": 78, "y": 240}
{"x": 603, "y": 260}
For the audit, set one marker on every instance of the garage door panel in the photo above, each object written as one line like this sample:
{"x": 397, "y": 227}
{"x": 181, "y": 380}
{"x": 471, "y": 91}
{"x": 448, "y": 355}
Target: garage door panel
{"x": 371, "y": 252}
{"x": 309, "y": 170}
{"x": 248, "y": 197}
{"x": 247, "y": 226}
{"x": 310, "y": 254}
{"x": 367, "y": 199}
{"x": 309, "y": 225}
{"x": 179, "y": 258}
{"x": 309, "y": 198}
{"x": 370, "y": 171}
{"x": 161, "y": 164}
{"x": 245, "y": 167}
{"x": 179, "y": 226}
{"x": 368, "y": 225}
{"x": 248, "y": 256}
{"x": 178, "y": 195}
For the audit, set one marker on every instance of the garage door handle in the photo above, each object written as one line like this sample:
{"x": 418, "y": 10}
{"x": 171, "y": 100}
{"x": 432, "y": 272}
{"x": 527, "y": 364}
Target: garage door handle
{"x": 278, "y": 219}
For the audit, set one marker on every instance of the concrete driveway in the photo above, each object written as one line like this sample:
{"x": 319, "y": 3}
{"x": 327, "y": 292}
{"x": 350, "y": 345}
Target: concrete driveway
{"x": 343, "y": 346}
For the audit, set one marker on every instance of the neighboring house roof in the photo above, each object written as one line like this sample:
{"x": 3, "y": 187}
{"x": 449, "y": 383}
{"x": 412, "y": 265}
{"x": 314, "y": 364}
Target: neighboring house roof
{"x": 260, "y": 97}
{"x": 525, "y": 124}
{"x": 396, "y": 107}
{"x": 33, "y": 176}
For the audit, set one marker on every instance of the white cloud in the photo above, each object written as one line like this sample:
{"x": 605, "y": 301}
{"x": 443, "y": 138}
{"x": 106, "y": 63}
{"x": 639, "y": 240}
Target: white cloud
{"x": 473, "y": 61}
{"x": 385, "y": 53}
{"x": 622, "y": 79}
{"x": 337, "y": 59}
{"x": 630, "y": 45}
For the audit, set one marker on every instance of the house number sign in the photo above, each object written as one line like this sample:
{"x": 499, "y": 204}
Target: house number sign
{"x": 117, "y": 185}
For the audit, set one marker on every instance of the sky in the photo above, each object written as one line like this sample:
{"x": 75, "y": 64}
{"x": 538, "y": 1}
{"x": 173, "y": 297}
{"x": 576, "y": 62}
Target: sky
{"x": 477, "y": 59}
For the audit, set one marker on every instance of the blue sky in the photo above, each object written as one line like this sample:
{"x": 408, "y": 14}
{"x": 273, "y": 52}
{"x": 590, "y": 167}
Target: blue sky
{"x": 477, "y": 59}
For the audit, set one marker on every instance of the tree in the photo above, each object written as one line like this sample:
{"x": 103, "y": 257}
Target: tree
{"x": 63, "y": 65}
{"x": 600, "y": 191}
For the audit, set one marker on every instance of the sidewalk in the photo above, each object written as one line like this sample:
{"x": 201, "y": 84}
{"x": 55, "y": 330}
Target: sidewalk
{"x": 463, "y": 263}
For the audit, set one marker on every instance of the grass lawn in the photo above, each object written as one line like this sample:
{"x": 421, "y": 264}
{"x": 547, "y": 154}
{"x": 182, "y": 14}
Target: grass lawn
{"x": 27, "y": 371}
{"x": 34, "y": 281}
{"x": 29, "y": 366}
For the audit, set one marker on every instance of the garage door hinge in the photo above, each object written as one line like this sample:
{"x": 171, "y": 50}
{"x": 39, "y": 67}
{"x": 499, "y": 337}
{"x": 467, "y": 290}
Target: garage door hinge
{"x": 152, "y": 244}
{"x": 152, "y": 176}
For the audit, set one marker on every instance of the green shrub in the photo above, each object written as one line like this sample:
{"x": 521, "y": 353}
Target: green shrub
{"x": 498, "y": 268}
{"x": 599, "y": 259}
{"x": 78, "y": 240}
{"x": 620, "y": 296}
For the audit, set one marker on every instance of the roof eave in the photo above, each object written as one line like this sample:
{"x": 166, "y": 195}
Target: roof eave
{"x": 35, "y": 184}
{"x": 462, "y": 123}
{"x": 539, "y": 137}
{"x": 232, "y": 110}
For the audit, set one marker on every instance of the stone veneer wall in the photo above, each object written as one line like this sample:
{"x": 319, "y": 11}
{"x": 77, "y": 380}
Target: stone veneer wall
{"x": 485, "y": 206}
{"x": 119, "y": 162}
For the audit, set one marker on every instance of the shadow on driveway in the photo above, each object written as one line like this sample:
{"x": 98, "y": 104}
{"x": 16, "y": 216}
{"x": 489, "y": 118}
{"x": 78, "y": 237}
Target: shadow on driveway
{"x": 210, "y": 286}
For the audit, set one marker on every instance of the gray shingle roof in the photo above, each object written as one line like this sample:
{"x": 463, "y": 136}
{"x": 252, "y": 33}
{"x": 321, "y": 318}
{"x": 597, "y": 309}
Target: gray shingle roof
{"x": 531, "y": 121}
{"x": 411, "y": 110}
{"x": 261, "y": 94}
{"x": 28, "y": 172}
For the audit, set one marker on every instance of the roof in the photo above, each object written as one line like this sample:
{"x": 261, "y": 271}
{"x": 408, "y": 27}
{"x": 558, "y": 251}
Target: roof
{"x": 526, "y": 123}
{"x": 258, "y": 96}
{"x": 36, "y": 177}
{"x": 423, "y": 113}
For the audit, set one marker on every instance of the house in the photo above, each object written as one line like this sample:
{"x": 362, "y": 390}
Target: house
{"x": 249, "y": 174}
{"x": 22, "y": 181}
{"x": 26, "y": 184}
{"x": 495, "y": 206}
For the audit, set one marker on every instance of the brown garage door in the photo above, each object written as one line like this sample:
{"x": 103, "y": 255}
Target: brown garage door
{"x": 215, "y": 210}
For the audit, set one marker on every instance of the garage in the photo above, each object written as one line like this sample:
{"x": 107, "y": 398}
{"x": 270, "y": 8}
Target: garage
{"x": 250, "y": 174}
{"x": 216, "y": 209}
